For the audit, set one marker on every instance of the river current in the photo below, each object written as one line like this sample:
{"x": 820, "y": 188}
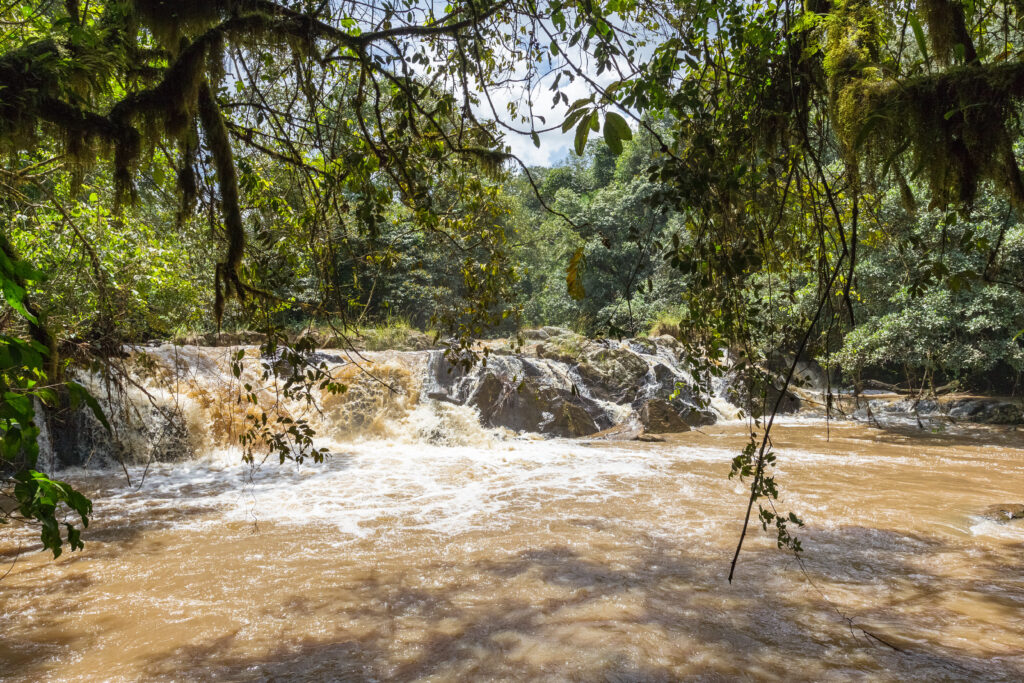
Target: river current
{"x": 429, "y": 547}
{"x": 525, "y": 559}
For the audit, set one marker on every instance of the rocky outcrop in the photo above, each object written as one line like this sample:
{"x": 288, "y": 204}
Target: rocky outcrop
{"x": 934, "y": 411}
{"x": 987, "y": 411}
{"x": 532, "y": 407}
{"x": 631, "y": 372}
{"x": 659, "y": 416}
{"x": 613, "y": 374}
{"x": 573, "y": 386}
{"x": 147, "y": 432}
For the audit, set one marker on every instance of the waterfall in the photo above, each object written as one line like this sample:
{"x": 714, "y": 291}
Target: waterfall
{"x": 183, "y": 401}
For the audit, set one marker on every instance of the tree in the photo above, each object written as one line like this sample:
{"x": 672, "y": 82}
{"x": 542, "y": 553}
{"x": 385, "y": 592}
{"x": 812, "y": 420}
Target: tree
{"x": 365, "y": 105}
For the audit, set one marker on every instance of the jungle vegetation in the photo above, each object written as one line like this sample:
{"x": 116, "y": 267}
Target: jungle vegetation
{"x": 836, "y": 180}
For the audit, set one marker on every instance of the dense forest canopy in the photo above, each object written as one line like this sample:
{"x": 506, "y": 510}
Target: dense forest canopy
{"x": 836, "y": 180}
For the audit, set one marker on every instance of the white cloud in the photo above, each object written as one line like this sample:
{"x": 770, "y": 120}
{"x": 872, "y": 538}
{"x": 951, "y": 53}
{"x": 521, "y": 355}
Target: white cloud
{"x": 555, "y": 145}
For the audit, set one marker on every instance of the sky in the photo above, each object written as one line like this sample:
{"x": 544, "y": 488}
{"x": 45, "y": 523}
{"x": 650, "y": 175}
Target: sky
{"x": 555, "y": 145}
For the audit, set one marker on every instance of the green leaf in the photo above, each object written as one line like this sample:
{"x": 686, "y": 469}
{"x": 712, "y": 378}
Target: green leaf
{"x": 79, "y": 395}
{"x": 615, "y": 121}
{"x": 615, "y": 131}
{"x": 571, "y": 120}
{"x": 915, "y": 25}
{"x": 613, "y": 142}
{"x": 582, "y": 132}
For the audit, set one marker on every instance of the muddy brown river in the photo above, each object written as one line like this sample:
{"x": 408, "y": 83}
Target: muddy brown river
{"x": 537, "y": 560}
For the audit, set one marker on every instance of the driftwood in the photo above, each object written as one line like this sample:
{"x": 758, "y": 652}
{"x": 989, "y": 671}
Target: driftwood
{"x": 905, "y": 389}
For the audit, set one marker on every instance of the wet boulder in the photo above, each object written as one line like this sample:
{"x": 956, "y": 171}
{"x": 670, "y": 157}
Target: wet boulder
{"x": 643, "y": 345}
{"x": 756, "y": 391}
{"x": 530, "y": 406}
{"x": 807, "y": 374}
{"x": 569, "y": 420}
{"x": 677, "y": 390}
{"x": 659, "y": 416}
{"x": 613, "y": 374}
{"x": 1005, "y": 512}
{"x": 987, "y": 411}
{"x": 445, "y": 380}
{"x": 147, "y": 432}
{"x": 565, "y": 348}
{"x": 553, "y": 331}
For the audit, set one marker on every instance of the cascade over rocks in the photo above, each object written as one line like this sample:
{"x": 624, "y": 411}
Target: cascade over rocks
{"x": 184, "y": 400}
{"x": 631, "y": 372}
{"x": 533, "y": 407}
{"x": 520, "y": 393}
{"x": 932, "y": 411}
{"x": 614, "y": 374}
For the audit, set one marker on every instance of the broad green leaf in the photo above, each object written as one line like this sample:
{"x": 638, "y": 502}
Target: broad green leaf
{"x": 615, "y": 131}
{"x": 582, "y": 132}
{"x": 922, "y": 45}
{"x": 79, "y": 395}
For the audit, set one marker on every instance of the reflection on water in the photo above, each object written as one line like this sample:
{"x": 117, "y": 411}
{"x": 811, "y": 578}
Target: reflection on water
{"x": 537, "y": 560}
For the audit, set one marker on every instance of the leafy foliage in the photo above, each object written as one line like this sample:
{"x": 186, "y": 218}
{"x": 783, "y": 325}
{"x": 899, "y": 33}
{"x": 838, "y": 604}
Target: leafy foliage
{"x": 24, "y": 384}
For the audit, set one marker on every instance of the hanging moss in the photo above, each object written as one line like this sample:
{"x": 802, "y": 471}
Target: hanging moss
{"x": 169, "y": 20}
{"x": 852, "y": 49}
{"x": 216, "y": 134}
{"x": 957, "y": 125}
{"x": 947, "y": 28}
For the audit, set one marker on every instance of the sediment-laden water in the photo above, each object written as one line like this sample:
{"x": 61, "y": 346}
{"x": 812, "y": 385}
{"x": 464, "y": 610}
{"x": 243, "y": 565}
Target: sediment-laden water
{"x": 430, "y": 546}
{"x": 526, "y": 559}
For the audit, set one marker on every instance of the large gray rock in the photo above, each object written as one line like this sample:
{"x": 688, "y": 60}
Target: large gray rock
{"x": 553, "y": 331}
{"x": 675, "y": 390}
{"x": 807, "y": 374}
{"x": 532, "y": 407}
{"x": 613, "y": 374}
{"x": 659, "y": 416}
{"x": 987, "y": 411}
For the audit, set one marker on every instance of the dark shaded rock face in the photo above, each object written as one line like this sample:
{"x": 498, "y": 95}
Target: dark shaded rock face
{"x": 1005, "y": 512}
{"x": 686, "y": 403}
{"x": 76, "y": 438}
{"x": 532, "y": 407}
{"x": 613, "y": 374}
{"x": 633, "y": 372}
{"x": 987, "y": 411}
{"x": 659, "y": 416}
{"x": 807, "y": 374}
